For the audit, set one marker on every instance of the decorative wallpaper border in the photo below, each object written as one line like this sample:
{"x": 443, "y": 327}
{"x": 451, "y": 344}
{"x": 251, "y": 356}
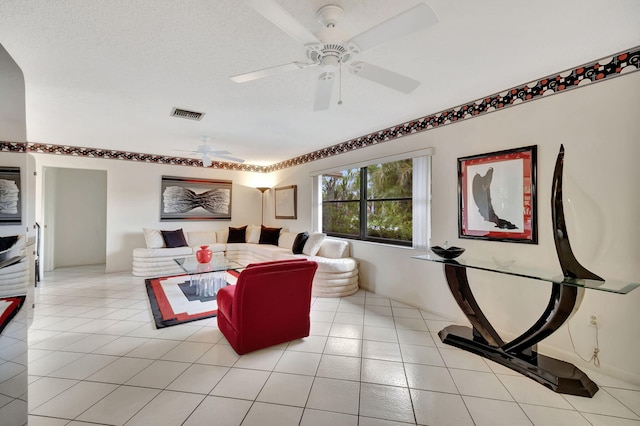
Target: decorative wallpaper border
{"x": 600, "y": 70}
{"x": 120, "y": 155}
{"x": 603, "y": 69}
{"x": 17, "y": 147}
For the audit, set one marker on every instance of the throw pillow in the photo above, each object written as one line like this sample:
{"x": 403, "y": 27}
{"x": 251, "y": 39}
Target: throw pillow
{"x": 173, "y": 239}
{"x": 153, "y": 238}
{"x": 298, "y": 243}
{"x": 237, "y": 235}
{"x": 286, "y": 239}
{"x": 313, "y": 244}
{"x": 201, "y": 238}
{"x": 334, "y": 249}
{"x": 253, "y": 234}
{"x": 269, "y": 235}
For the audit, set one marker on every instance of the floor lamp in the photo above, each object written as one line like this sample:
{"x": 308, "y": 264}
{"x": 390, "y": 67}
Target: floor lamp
{"x": 262, "y": 189}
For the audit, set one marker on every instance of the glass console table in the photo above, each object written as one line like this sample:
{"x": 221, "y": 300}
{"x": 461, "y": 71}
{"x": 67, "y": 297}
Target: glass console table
{"x": 611, "y": 286}
{"x": 521, "y": 354}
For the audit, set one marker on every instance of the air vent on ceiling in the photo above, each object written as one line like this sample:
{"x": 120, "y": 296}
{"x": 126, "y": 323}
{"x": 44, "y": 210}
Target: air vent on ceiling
{"x": 189, "y": 115}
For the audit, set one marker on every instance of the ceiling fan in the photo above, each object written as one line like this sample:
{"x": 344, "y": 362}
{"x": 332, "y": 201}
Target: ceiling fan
{"x": 330, "y": 49}
{"x": 207, "y": 152}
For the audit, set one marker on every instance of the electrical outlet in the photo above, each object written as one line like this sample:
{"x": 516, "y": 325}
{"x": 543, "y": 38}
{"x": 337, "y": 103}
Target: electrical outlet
{"x": 594, "y": 320}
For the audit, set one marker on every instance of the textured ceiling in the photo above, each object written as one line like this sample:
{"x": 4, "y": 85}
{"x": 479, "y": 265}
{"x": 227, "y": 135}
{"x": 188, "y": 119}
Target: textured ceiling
{"x": 106, "y": 73}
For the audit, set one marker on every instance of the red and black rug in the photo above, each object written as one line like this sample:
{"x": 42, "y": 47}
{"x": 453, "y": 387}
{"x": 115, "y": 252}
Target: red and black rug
{"x": 9, "y": 307}
{"x": 174, "y": 301}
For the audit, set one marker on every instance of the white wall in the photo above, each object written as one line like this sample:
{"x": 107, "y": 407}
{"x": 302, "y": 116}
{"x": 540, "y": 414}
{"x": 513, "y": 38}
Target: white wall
{"x": 13, "y": 125}
{"x": 599, "y": 127}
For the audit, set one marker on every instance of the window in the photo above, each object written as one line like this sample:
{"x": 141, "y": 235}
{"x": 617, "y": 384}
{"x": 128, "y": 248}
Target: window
{"x": 373, "y": 203}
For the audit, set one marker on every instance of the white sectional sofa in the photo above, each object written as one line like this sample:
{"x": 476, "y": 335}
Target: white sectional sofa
{"x": 337, "y": 273}
{"x": 156, "y": 260}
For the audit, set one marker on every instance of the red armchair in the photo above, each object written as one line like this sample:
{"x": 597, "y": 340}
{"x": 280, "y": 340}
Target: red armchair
{"x": 269, "y": 304}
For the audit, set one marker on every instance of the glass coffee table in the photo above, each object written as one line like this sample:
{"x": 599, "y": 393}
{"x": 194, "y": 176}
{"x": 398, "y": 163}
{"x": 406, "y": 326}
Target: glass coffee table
{"x": 208, "y": 278}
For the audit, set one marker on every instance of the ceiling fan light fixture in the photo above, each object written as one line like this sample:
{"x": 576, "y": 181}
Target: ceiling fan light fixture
{"x": 206, "y": 160}
{"x": 330, "y": 63}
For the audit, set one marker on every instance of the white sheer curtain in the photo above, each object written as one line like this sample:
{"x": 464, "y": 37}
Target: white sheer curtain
{"x": 421, "y": 202}
{"x": 316, "y": 209}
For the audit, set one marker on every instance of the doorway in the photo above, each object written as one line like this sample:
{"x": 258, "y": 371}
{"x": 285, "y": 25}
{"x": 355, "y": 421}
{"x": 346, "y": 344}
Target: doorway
{"x": 75, "y": 217}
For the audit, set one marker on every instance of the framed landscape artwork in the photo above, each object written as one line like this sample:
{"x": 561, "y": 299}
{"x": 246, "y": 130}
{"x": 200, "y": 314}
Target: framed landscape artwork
{"x": 10, "y": 197}
{"x": 497, "y": 196}
{"x": 195, "y": 199}
{"x": 286, "y": 200}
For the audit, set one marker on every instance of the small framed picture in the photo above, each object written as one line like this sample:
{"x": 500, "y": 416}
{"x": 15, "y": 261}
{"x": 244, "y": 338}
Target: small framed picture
{"x": 286, "y": 200}
{"x": 10, "y": 196}
{"x": 497, "y": 196}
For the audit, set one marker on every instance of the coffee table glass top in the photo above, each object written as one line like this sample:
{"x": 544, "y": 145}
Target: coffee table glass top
{"x": 218, "y": 264}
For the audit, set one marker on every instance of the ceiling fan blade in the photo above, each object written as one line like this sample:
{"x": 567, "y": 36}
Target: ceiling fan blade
{"x": 324, "y": 90}
{"x": 230, "y": 158}
{"x": 385, "y": 77}
{"x": 411, "y": 20}
{"x": 271, "y": 10}
{"x": 266, "y": 72}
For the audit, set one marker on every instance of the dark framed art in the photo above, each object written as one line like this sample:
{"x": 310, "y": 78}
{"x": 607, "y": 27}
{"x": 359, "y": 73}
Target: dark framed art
{"x": 286, "y": 201}
{"x": 10, "y": 196}
{"x": 195, "y": 199}
{"x": 497, "y": 196}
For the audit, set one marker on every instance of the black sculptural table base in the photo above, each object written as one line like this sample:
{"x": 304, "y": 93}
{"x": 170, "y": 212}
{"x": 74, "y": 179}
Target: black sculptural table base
{"x": 520, "y": 354}
{"x": 559, "y": 376}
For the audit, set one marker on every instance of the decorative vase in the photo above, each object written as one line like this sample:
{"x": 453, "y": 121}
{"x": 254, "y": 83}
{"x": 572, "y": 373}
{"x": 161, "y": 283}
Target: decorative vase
{"x": 204, "y": 254}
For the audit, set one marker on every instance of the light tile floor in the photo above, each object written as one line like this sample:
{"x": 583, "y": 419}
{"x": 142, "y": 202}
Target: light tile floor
{"x": 96, "y": 358}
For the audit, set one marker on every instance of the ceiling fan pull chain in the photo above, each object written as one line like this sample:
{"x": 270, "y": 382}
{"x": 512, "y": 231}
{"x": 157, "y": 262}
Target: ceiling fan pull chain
{"x": 340, "y": 84}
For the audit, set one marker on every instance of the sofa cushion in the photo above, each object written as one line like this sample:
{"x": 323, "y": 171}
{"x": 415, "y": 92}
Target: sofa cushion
{"x": 238, "y": 247}
{"x": 268, "y": 252}
{"x": 173, "y": 239}
{"x": 158, "y": 253}
{"x": 237, "y": 235}
{"x": 153, "y": 238}
{"x": 269, "y": 235}
{"x": 334, "y": 249}
{"x": 313, "y": 244}
{"x": 201, "y": 238}
{"x": 286, "y": 240}
{"x": 336, "y": 266}
{"x": 299, "y": 242}
{"x": 222, "y": 235}
{"x": 253, "y": 234}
